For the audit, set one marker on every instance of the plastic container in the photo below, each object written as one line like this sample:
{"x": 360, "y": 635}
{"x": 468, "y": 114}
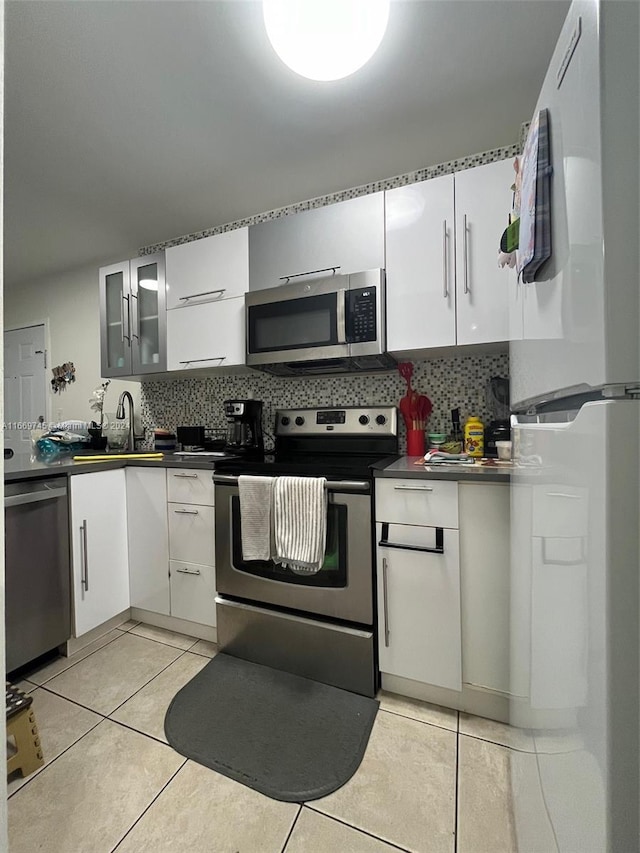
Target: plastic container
{"x": 164, "y": 440}
{"x": 474, "y": 436}
{"x": 504, "y": 450}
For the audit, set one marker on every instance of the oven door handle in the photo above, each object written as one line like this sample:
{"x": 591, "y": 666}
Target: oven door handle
{"x": 332, "y": 485}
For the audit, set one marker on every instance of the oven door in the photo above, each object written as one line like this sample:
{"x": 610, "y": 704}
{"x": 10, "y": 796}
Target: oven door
{"x": 341, "y": 589}
{"x": 297, "y": 322}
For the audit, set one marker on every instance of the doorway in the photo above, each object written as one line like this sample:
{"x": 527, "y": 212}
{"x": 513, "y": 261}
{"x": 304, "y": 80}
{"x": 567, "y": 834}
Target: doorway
{"x": 25, "y": 384}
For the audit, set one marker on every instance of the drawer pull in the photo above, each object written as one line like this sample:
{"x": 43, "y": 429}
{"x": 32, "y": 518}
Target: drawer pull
{"x": 413, "y": 488}
{"x": 204, "y": 293}
{"x": 563, "y": 495}
{"x": 385, "y": 601}
{"x": 186, "y": 511}
{"x": 187, "y": 476}
{"x": 439, "y": 549}
{"x": 188, "y": 571}
{"x": 197, "y": 360}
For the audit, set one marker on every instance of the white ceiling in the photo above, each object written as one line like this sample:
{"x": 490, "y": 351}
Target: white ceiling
{"x": 129, "y": 123}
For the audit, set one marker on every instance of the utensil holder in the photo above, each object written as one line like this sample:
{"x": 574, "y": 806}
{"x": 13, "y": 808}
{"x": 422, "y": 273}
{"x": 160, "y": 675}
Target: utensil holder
{"x": 415, "y": 442}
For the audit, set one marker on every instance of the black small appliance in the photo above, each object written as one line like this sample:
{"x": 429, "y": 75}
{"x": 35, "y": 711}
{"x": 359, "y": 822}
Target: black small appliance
{"x": 498, "y": 404}
{"x": 244, "y": 427}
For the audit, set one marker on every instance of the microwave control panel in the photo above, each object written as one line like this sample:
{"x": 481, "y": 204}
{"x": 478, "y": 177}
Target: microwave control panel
{"x": 361, "y": 320}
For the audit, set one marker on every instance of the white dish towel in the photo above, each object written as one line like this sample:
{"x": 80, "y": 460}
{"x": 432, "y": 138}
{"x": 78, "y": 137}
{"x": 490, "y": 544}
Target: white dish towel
{"x": 256, "y": 502}
{"x": 300, "y": 522}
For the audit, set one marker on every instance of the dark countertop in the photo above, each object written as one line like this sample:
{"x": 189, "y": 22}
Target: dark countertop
{"x": 24, "y": 466}
{"x": 406, "y": 466}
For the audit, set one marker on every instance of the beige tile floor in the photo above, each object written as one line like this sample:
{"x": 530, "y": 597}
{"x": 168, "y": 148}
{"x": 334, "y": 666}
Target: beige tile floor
{"x": 431, "y": 779}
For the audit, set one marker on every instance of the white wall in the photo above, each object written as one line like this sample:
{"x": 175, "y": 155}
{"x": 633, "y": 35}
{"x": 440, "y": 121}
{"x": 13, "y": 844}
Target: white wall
{"x": 70, "y": 303}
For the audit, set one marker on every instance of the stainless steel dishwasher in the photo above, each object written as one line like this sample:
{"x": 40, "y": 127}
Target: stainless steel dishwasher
{"x": 37, "y": 568}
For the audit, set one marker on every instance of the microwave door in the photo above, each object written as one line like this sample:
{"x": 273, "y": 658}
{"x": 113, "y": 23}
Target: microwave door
{"x": 296, "y": 323}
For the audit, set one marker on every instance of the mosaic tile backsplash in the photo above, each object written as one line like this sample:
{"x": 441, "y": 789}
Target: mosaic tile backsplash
{"x": 457, "y": 381}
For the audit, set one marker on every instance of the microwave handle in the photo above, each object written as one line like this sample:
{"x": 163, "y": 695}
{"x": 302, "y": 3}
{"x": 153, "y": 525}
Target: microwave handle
{"x": 341, "y": 317}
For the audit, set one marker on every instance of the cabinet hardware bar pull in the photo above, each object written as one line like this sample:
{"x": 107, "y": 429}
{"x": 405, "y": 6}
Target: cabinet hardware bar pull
{"x": 385, "y": 605}
{"x": 136, "y": 317}
{"x": 204, "y": 293}
{"x": 187, "y": 476}
{"x": 332, "y": 485}
{"x": 286, "y": 278}
{"x": 465, "y": 251}
{"x": 186, "y": 511}
{"x": 563, "y": 495}
{"x": 196, "y": 360}
{"x": 188, "y": 571}
{"x": 84, "y": 581}
{"x": 126, "y": 337}
{"x": 413, "y": 488}
{"x": 341, "y": 317}
{"x": 439, "y": 549}
{"x": 445, "y": 270}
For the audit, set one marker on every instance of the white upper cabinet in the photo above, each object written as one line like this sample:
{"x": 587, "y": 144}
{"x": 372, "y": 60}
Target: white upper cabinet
{"x": 209, "y": 335}
{"x": 421, "y": 297}
{"x": 444, "y": 286}
{"x": 346, "y": 237}
{"x": 207, "y": 270}
{"x": 483, "y": 203}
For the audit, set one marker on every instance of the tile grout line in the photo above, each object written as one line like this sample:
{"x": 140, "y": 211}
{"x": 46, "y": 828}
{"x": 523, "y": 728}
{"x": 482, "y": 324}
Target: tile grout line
{"x": 76, "y": 662}
{"x": 357, "y": 828}
{"x": 162, "y": 643}
{"x": 153, "y": 800}
{"x": 416, "y": 720}
{"x": 295, "y": 820}
{"x": 457, "y": 791}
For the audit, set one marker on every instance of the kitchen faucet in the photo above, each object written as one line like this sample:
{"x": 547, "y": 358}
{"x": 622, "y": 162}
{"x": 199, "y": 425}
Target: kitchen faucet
{"x": 132, "y": 437}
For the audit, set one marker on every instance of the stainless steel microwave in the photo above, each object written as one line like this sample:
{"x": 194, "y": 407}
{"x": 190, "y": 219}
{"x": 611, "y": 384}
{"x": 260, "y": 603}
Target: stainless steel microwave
{"x": 335, "y": 324}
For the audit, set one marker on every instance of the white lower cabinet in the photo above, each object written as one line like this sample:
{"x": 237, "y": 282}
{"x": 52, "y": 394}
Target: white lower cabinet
{"x": 193, "y": 592}
{"x": 98, "y": 548}
{"x": 419, "y": 604}
{"x": 148, "y": 539}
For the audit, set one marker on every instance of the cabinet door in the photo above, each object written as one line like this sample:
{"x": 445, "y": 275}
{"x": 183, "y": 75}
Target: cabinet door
{"x": 485, "y": 584}
{"x": 348, "y": 236}
{"x": 419, "y": 607}
{"x": 148, "y": 539}
{"x": 115, "y": 325}
{"x": 483, "y": 201}
{"x": 208, "y": 270}
{"x": 210, "y": 335}
{"x": 191, "y": 533}
{"x": 148, "y": 314}
{"x": 193, "y": 592}
{"x": 99, "y": 548}
{"x": 421, "y": 299}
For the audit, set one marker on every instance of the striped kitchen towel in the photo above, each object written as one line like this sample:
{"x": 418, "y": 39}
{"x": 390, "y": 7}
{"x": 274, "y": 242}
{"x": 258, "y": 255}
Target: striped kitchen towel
{"x": 256, "y": 501}
{"x": 300, "y": 522}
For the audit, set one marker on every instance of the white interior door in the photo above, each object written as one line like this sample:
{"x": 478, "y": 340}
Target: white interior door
{"x": 25, "y": 396}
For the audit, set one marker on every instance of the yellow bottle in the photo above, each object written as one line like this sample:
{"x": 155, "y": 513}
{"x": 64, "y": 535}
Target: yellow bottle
{"x": 474, "y": 436}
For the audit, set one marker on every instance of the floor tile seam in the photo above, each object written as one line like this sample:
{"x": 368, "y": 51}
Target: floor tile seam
{"x": 55, "y": 758}
{"x": 147, "y": 683}
{"x": 152, "y": 801}
{"x": 201, "y": 654}
{"x": 73, "y": 702}
{"x": 546, "y": 808}
{"x": 161, "y": 642}
{"x": 457, "y": 790}
{"x": 75, "y": 663}
{"x": 132, "y": 728}
{"x": 415, "y": 720}
{"x": 358, "y": 828}
{"x": 292, "y": 827}
{"x": 498, "y": 743}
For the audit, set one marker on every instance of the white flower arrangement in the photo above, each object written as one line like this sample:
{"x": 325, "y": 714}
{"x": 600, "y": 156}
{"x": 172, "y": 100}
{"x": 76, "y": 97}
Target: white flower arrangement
{"x": 97, "y": 400}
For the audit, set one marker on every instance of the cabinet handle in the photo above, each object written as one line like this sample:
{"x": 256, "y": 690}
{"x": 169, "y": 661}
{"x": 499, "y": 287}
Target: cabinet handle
{"x": 188, "y": 571}
{"x": 204, "y": 293}
{"x": 186, "y": 511}
{"x": 385, "y": 605}
{"x": 136, "y": 318}
{"x": 187, "y": 476}
{"x": 341, "y": 321}
{"x": 465, "y": 252}
{"x": 84, "y": 581}
{"x": 286, "y": 278}
{"x": 125, "y": 337}
{"x": 445, "y": 270}
{"x": 413, "y": 488}
{"x": 439, "y": 549}
{"x": 564, "y": 495}
{"x": 196, "y": 360}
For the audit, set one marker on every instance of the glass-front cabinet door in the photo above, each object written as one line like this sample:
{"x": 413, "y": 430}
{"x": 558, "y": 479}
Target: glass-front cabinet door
{"x": 148, "y": 314}
{"x": 115, "y": 325}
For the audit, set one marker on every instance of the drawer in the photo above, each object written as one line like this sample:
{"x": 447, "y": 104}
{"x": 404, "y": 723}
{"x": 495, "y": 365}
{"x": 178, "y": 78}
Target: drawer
{"x": 193, "y": 592}
{"x": 184, "y": 485}
{"x": 559, "y": 511}
{"x": 433, "y": 503}
{"x": 191, "y": 533}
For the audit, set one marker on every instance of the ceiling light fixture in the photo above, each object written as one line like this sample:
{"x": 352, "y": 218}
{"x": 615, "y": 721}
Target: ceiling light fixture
{"x": 325, "y": 39}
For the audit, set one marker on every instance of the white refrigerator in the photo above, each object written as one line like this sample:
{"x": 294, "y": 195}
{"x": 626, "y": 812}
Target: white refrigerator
{"x": 575, "y": 392}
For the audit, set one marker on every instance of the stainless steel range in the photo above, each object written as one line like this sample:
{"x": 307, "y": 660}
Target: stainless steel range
{"x": 317, "y": 625}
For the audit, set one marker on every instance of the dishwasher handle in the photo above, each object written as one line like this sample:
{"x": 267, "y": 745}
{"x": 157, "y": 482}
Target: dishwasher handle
{"x": 45, "y": 493}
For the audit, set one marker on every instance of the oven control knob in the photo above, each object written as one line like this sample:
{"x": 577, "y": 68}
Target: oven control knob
{"x": 381, "y": 420}
{"x": 364, "y": 419}
{"x": 285, "y": 421}
{"x": 299, "y": 421}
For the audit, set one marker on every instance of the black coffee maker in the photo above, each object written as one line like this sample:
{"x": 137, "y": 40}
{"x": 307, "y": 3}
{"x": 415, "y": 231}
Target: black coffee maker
{"x": 244, "y": 427}
{"x": 498, "y": 404}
